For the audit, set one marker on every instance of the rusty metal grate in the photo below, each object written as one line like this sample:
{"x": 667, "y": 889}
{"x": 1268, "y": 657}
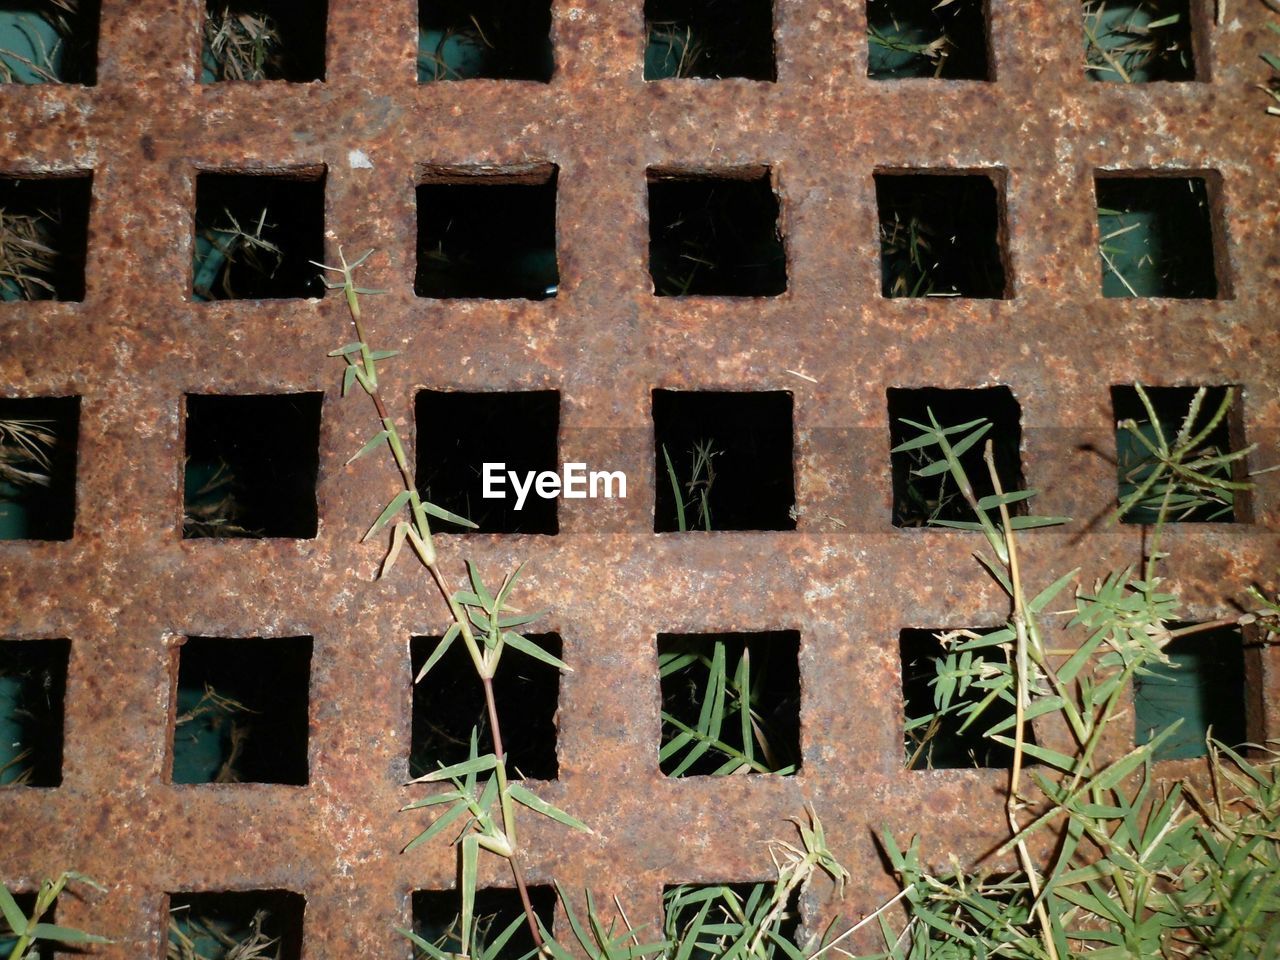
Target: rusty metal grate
{"x": 127, "y": 587}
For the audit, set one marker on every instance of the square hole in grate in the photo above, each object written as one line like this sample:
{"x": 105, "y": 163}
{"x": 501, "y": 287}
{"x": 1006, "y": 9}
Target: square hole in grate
{"x": 491, "y": 39}
{"x": 715, "y": 234}
{"x": 458, "y": 433}
{"x": 240, "y": 710}
{"x": 251, "y": 465}
{"x": 33, "y": 685}
{"x": 709, "y": 39}
{"x": 920, "y": 501}
{"x": 1156, "y": 236}
{"x": 942, "y": 234}
{"x": 236, "y": 924}
{"x": 449, "y": 702}
{"x": 487, "y": 235}
{"x": 44, "y": 231}
{"x": 256, "y": 235}
{"x": 1203, "y": 685}
{"x": 1136, "y": 464}
{"x": 38, "y": 440}
{"x": 923, "y": 38}
{"x": 1138, "y": 41}
{"x": 932, "y": 735}
{"x": 733, "y": 910}
{"x": 263, "y": 40}
{"x": 730, "y": 703}
{"x": 723, "y": 460}
{"x": 49, "y": 41}
{"x": 498, "y": 914}
{"x": 41, "y": 949}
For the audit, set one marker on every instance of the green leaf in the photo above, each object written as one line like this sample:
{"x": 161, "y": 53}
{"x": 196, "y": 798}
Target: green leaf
{"x": 378, "y": 438}
{"x": 470, "y": 856}
{"x": 963, "y": 446}
{"x": 932, "y": 469}
{"x": 1043, "y": 754}
{"x": 520, "y": 619}
{"x": 1031, "y": 523}
{"x": 527, "y": 646}
{"x": 348, "y": 377}
{"x": 13, "y": 915}
{"x": 508, "y": 585}
{"x": 681, "y": 521}
{"x": 441, "y": 823}
{"x": 993, "y": 501}
{"x": 430, "y": 949}
{"x": 481, "y": 591}
{"x": 441, "y": 649}
{"x": 342, "y": 351}
{"x": 383, "y": 354}
{"x": 395, "y": 506}
{"x": 538, "y": 805}
{"x": 1043, "y": 598}
{"x": 441, "y": 513}
{"x": 51, "y": 931}
{"x": 472, "y": 765}
{"x": 397, "y": 543}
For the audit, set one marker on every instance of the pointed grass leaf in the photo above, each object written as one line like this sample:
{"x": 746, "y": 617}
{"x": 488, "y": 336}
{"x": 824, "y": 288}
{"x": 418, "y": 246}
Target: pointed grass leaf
{"x": 1032, "y": 523}
{"x": 681, "y": 521}
{"x": 398, "y": 535}
{"x": 51, "y": 931}
{"x": 440, "y": 513}
{"x": 13, "y": 915}
{"x": 440, "y": 824}
{"x": 430, "y": 949}
{"x": 345, "y": 349}
{"x": 395, "y": 506}
{"x": 470, "y": 854}
{"x": 1043, "y": 754}
{"x": 378, "y": 438}
{"x": 383, "y": 354}
{"x": 481, "y": 591}
{"x": 441, "y": 649}
{"x": 535, "y": 803}
{"x": 471, "y": 765}
{"x": 500, "y": 602}
{"x": 527, "y": 646}
{"x": 348, "y": 377}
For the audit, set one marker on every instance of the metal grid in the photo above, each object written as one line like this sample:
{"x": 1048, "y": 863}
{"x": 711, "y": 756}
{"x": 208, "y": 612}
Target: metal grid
{"x": 127, "y": 587}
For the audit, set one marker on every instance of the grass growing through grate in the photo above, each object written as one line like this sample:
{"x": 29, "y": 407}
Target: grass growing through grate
{"x": 730, "y": 703}
{"x": 941, "y": 700}
{"x": 715, "y": 234}
{"x": 723, "y": 461}
{"x": 499, "y": 930}
{"x": 941, "y": 234}
{"x": 256, "y": 236}
{"x": 488, "y": 236}
{"x": 709, "y": 39}
{"x": 709, "y": 921}
{"x": 49, "y": 41}
{"x": 33, "y": 684}
{"x": 240, "y": 710}
{"x": 259, "y": 482}
{"x": 44, "y": 230}
{"x": 263, "y": 40}
{"x": 235, "y": 925}
{"x": 1156, "y": 236}
{"x": 38, "y": 442}
{"x": 924, "y": 489}
{"x": 459, "y": 432}
{"x": 448, "y": 704}
{"x": 1142, "y": 42}
{"x": 484, "y": 39}
{"x": 1148, "y": 438}
{"x": 1201, "y": 688}
{"x": 923, "y": 38}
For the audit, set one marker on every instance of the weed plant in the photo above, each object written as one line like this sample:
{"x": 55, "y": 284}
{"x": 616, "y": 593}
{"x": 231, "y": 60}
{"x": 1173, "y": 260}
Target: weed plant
{"x": 48, "y": 41}
{"x": 24, "y": 934}
{"x": 1137, "y": 42}
{"x": 924, "y": 38}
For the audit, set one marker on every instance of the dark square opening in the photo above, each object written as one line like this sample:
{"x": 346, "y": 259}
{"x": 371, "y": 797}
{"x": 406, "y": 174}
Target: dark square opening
{"x": 1203, "y": 685}
{"x": 229, "y": 924}
{"x": 44, "y": 41}
{"x": 922, "y": 501}
{"x": 1135, "y": 463}
{"x": 256, "y": 236}
{"x": 263, "y": 40}
{"x": 942, "y": 744}
{"x": 730, "y": 703}
{"x": 449, "y": 701}
{"x": 723, "y": 461}
{"x": 709, "y": 39}
{"x": 1156, "y": 237}
{"x": 1138, "y": 42}
{"x": 942, "y": 235}
{"x": 41, "y": 949}
{"x": 44, "y": 236}
{"x": 240, "y": 710}
{"x": 923, "y": 38}
{"x": 715, "y": 234}
{"x": 488, "y": 236}
{"x": 459, "y": 432}
{"x": 38, "y": 441}
{"x": 33, "y": 686}
{"x": 251, "y": 466}
{"x": 736, "y": 908}
{"x": 436, "y": 914}
{"x": 493, "y": 39}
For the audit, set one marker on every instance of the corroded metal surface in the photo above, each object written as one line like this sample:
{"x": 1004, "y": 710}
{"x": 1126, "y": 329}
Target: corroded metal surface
{"x": 127, "y": 586}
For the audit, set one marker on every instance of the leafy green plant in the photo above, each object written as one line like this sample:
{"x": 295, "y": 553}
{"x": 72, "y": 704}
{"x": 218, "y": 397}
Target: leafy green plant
{"x": 702, "y": 475}
{"x": 1131, "y": 870}
{"x": 21, "y": 934}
